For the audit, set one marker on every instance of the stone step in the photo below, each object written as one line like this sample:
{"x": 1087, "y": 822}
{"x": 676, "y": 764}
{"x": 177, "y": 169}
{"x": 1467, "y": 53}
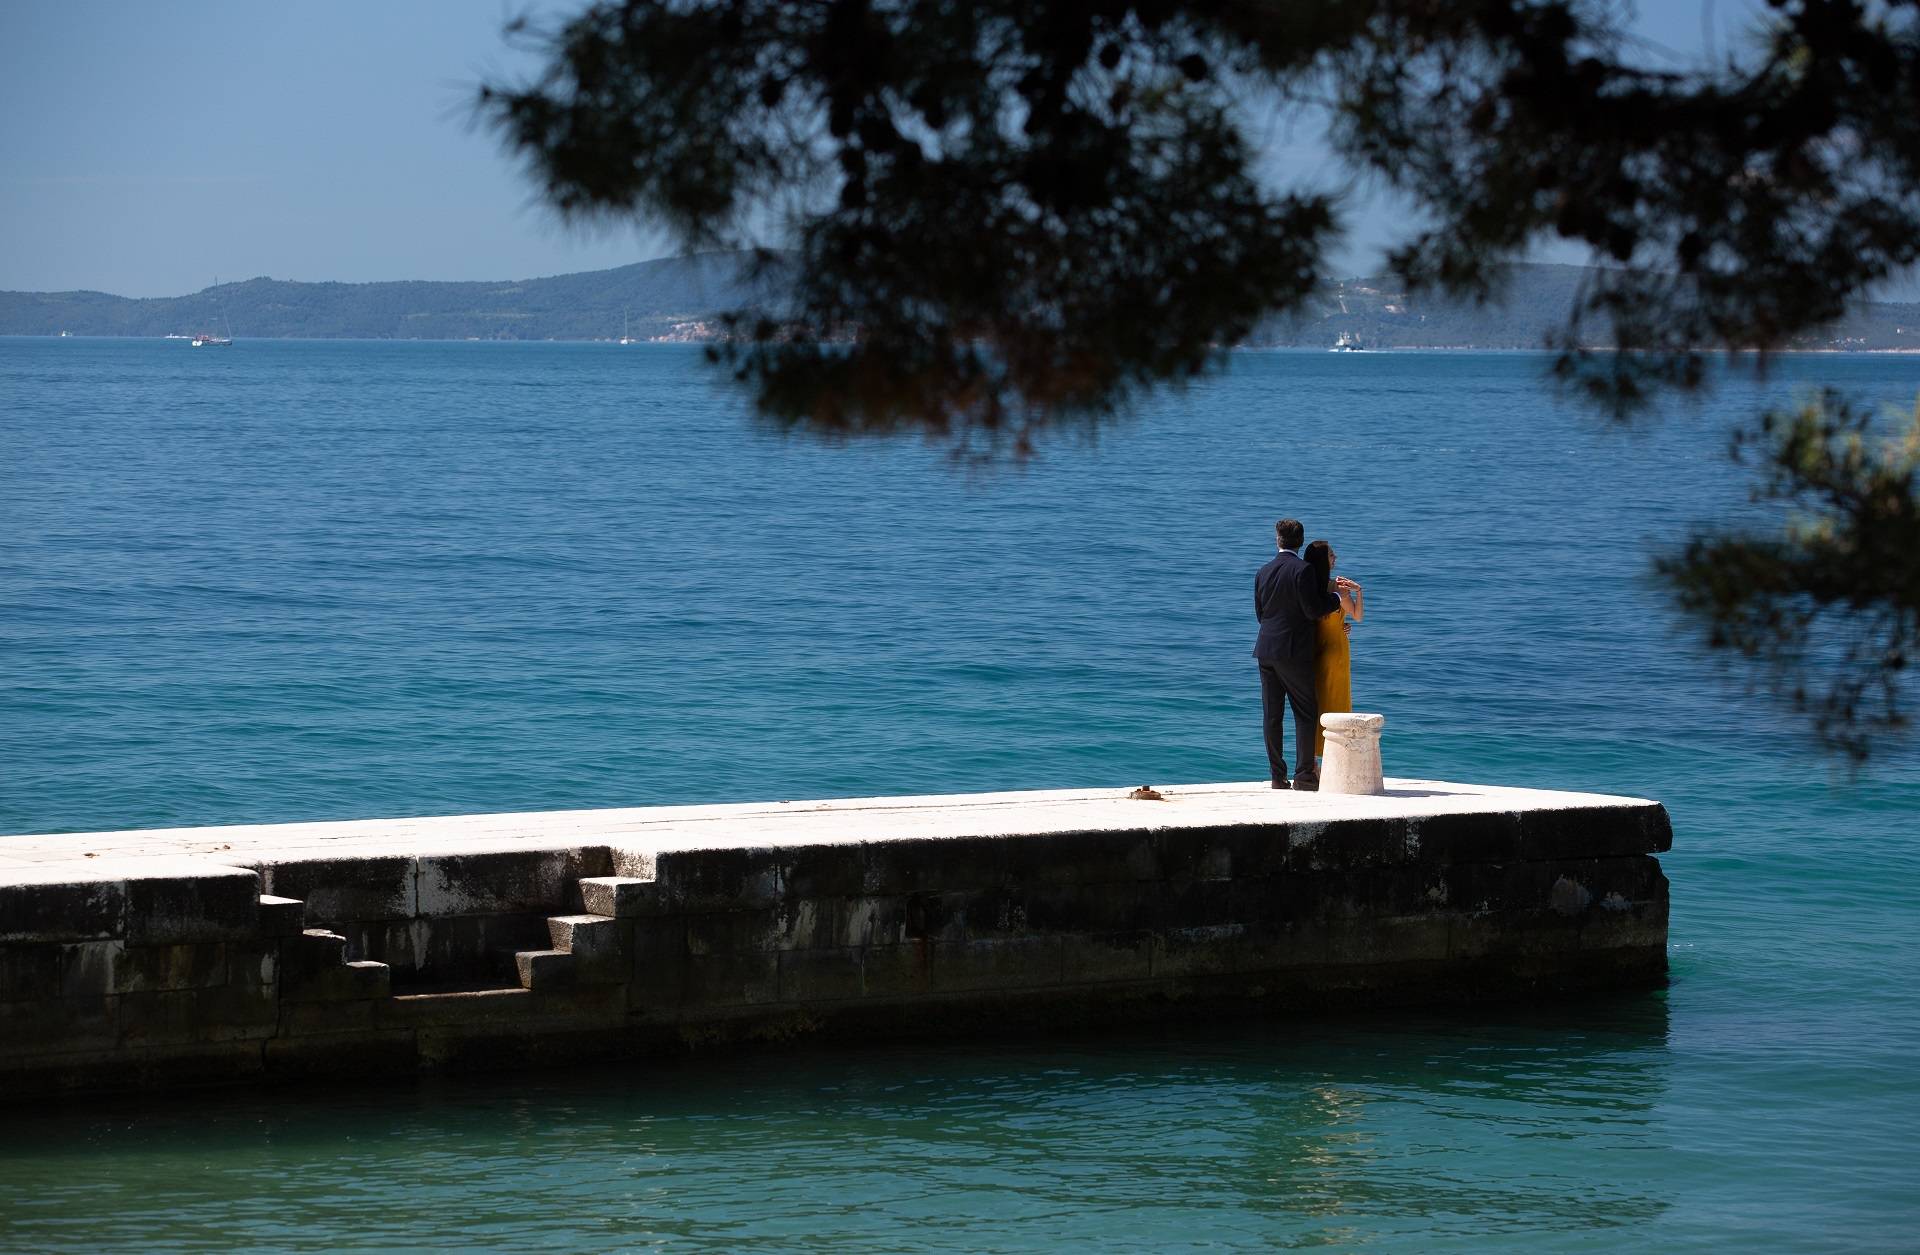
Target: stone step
{"x": 597, "y": 943}
{"x": 588, "y": 936}
{"x": 281, "y": 917}
{"x": 545, "y": 969}
{"x": 616, "y": 896}
{"x": 311, "y": 950}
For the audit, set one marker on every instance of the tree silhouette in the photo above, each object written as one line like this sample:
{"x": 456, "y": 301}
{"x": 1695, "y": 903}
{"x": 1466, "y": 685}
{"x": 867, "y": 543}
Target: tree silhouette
{"x": 1001, "y": 217}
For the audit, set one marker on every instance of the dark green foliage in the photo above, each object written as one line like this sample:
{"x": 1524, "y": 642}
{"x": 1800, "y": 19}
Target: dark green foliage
{"x": 1008, "y": 215}
{"x": 1831, "y": 604}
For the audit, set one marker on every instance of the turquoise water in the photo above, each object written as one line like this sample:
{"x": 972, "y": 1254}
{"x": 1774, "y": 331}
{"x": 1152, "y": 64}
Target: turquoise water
{"x": 305, "y": 580}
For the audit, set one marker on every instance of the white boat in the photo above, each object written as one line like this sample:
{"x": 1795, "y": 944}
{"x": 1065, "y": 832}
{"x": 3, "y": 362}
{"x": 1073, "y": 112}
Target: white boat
{"x": 625, "y": 337}
{"x": 1348, "y": 343}
{"x": 209, "y": 340}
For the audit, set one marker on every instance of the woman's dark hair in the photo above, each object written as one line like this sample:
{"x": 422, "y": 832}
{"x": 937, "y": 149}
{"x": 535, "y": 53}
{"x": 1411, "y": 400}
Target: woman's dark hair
{"x": 1319, "y": 556}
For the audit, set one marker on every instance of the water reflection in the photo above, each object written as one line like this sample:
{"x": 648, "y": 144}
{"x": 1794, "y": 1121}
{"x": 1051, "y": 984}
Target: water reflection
{"x": 1392, "y": 1129}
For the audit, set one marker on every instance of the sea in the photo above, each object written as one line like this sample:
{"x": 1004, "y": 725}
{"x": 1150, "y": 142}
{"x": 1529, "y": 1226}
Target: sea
{"x": 321, "y": 580}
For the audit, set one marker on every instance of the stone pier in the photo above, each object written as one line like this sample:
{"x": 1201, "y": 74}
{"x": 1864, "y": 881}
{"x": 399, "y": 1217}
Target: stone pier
{"x": 155, "y": 959}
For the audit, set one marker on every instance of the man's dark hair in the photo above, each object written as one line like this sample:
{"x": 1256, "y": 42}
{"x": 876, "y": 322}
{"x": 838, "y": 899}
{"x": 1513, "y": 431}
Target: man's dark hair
{"x": 1290, "y": 533}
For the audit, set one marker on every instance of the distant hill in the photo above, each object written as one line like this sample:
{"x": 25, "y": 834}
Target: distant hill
{"x": 1535, "y": 301}
{"x": 661, "y": 297}
{"x": 677, "y": 298}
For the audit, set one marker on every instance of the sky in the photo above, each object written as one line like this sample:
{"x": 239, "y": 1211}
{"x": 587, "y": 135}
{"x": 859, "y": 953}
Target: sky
{"x": 151, "y": 149}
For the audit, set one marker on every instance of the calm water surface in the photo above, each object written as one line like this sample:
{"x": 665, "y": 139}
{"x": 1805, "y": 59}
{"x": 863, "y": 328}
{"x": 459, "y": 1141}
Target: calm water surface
{"x": 303, "y": 581}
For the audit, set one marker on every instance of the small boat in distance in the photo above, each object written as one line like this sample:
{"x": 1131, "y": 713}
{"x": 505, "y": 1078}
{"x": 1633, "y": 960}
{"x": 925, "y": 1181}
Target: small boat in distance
{"x": 625, "y": 336}
{"x": 1348, "y": 343}
{"x": 208, "y": 339}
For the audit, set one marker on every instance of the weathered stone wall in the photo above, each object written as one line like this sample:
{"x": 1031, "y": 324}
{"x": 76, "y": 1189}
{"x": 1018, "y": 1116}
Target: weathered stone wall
{"x": 363, "y": 966}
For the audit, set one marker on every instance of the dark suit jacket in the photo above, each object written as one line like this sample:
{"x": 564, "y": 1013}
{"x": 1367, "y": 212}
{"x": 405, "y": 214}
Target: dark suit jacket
{"x": 1289, "y": 608}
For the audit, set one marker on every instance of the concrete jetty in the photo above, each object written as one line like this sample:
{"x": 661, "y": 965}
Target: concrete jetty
{"x": 164, "y": 958}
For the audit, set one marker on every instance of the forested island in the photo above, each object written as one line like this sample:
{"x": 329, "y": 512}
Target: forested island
{"x": 682, "y": 298}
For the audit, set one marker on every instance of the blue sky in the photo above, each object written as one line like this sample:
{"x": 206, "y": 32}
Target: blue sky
{"x": 150, "y": 148}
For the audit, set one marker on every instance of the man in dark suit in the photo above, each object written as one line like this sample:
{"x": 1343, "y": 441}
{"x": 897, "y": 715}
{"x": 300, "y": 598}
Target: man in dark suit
{"x": 1289, "y": 607}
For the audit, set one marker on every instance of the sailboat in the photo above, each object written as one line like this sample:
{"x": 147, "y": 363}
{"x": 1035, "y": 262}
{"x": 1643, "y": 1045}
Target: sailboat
{"x": 625, "y": 338}
{"x": 207, "y": 339}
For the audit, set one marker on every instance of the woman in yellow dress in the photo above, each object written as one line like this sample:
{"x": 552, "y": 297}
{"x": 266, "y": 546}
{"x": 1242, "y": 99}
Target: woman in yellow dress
{"x": 1333, "y": 658}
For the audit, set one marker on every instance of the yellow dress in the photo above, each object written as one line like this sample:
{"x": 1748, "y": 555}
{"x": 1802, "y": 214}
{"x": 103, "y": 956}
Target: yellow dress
{"x": 1332, "y": 672}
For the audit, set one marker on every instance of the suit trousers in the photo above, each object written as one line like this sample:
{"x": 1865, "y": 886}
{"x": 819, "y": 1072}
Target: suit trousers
{"x": 1284, "y": 680}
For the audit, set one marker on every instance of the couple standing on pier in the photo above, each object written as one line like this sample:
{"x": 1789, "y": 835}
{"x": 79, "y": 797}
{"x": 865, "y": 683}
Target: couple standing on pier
{"x": 1303, "y": 609}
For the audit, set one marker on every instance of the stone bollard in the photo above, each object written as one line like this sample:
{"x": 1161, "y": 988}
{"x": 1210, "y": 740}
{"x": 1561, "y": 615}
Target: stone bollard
{"x": 1352, "y": 760}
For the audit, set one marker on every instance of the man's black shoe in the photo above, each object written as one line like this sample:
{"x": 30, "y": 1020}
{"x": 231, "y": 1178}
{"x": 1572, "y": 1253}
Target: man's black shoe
{"x": 1281, "y": 784}
{"x": 1307, "y": 784}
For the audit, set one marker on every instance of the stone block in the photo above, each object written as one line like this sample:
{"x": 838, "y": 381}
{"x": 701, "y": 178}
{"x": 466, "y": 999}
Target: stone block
{"x": 722, "y": 980}
{"x": 1382, "y": 940}
{"x": 312, "y": 950}
{"x": 57, "y": 1026}
{"x": 217, "y": 905}
{"x": 281, "y": 917}
{"x": 343, "y": 890}
{"x": 822, "y": 871}
{"x": 618, "y": 896}
{"x": 1301, "y": 897}
{"x": 1188, "y": 903}
{"x": 1347, "y": 844}
{"x": 821, "y": 975}
{"x": 1449, "y": 840}
{"x": 175, "y": 1016}
{"x": 1202, "y": 950}
{"x": 1280, "y": 946}
{"x": 630, "y": 863}
{"x": 1622, "y": 925}
{"x": 353, "y": 1015}
{"x": 505, "y": 882}
{"x": 1513, "y": 934}
{"x": 877, "y": 921}
{"x": 933, "y": 865}
{"x": 55, "y": 911}
{"x": 29, "y": 972}
{"x": 657, "y": 985}
{"x": 588, "y": 938}
{"x": 348, "y": 982}
{"x": 602, "y": 948}
{"x": 87, "y": 968}
{"x": 1592, "y": 832}
{"x": 1572, "y": 887}
{"x": 795, "y": 925}
{"x": 1076, "y": 859}
{"x": 1221, "y": 853}
{"x": 1132, "y": 906}
{"x": 718, "y": 880}
{"x": 467, "y": 1008}
{"x": 897, "y": 971}
{"x": 253, "y": 966}
{"x": 1414, "y": 889}
{"x": 545, "y": 969}
{"x": 1003, "y": 963}
{"x": 1113, "y": 956}
{"x": 145, "y": 969}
